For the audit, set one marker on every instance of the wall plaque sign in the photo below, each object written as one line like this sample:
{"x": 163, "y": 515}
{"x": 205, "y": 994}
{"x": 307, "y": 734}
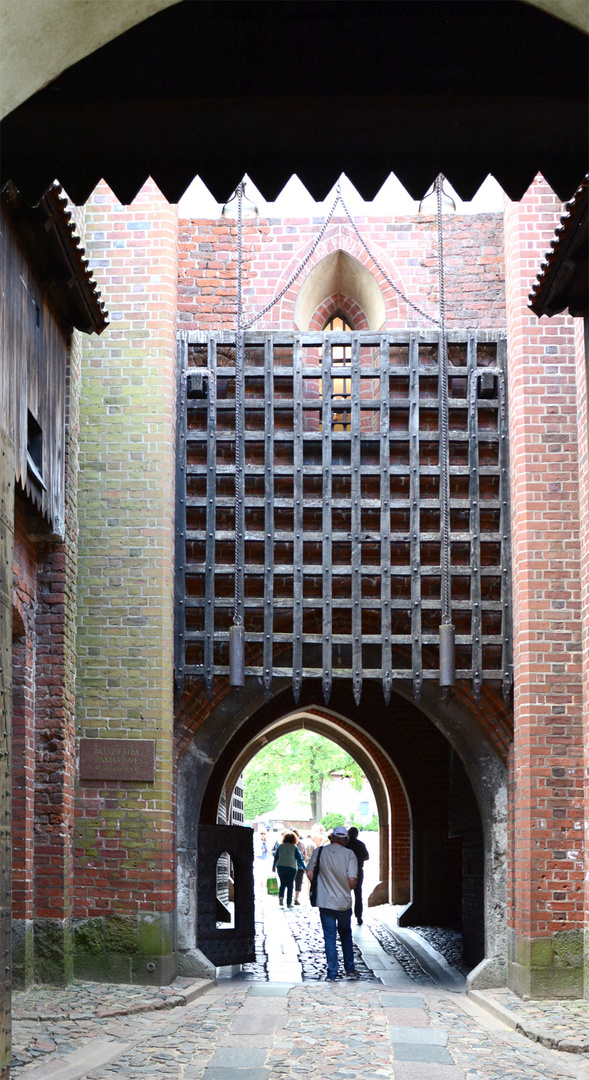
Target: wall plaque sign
{"x": 117, "y": 759}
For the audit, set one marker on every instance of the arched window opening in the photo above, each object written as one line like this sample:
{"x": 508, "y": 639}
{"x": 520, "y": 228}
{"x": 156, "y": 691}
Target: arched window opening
{"x": 225, "y": 903}
{"x": 340, "y": 282}
{"x": 341, "y": 357}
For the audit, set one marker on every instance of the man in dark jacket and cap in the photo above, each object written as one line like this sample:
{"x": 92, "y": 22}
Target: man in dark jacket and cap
{"x": 361, "y": 852}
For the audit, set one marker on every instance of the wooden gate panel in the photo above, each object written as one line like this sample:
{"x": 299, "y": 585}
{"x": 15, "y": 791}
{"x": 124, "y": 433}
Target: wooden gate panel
{"x": 234, "y": 945}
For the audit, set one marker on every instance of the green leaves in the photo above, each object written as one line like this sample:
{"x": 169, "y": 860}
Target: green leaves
{"x": 302, "y": 758}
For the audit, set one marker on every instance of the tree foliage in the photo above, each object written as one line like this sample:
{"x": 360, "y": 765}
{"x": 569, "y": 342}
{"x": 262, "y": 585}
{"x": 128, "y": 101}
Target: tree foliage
{"x": 301, "y": 758}
{"x": 329, "y": 821}
{"x": 259, "y": 793}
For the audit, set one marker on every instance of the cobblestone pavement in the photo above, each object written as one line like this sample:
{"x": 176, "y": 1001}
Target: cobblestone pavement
{"x": 345, "y": 1031}
{"x": 558, "y": 1024}
{"x": 408, "y": 962}
{"x": 260, "y": 1027}
{"x": 446, "y": 941}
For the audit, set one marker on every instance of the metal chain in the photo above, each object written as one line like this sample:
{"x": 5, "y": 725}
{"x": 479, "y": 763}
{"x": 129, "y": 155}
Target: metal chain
{"x": 372, "y": 256}
{"x": 297, "y": 272}
{"x": 238, "y": 594}
{"x": 444, "y": 421}
{"x": 338, "y": 199}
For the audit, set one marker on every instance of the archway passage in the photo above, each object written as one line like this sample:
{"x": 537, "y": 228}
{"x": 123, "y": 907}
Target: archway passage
{"x": 437, "y": 779}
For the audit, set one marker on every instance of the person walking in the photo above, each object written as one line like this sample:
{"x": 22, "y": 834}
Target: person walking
{"x": 300, "y": 874}
{"x": 336, "y": 867}
{"x": 287, "y": 859}
{"x": 263, "y": 856}
{"x": 362, "y": 854}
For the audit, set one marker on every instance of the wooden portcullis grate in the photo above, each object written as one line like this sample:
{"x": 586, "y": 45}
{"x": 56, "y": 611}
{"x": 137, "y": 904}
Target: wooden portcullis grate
{"x": 341, "y": 507}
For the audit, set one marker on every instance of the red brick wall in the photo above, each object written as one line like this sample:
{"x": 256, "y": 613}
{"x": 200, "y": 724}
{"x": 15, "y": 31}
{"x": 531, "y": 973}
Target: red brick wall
{"x": 55, "y": 685}
{"x": 23, "y": 715}
{"x": 124, "y": 830}
{"x": 54, "y": 745}
{"x": 581, "y": 343}
{"x": 547, "y": 866}
{"x": 406, "y": 248}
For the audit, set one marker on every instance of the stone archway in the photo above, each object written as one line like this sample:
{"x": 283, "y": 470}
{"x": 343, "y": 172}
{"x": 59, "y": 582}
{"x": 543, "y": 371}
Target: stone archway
{"x": 230, "y": 733}
{"x": 387, "y": 787}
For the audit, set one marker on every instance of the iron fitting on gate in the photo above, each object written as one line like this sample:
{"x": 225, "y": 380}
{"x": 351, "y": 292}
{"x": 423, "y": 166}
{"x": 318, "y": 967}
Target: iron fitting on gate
{"x": 447, "y": 656}
{"x": 237, "y": 655}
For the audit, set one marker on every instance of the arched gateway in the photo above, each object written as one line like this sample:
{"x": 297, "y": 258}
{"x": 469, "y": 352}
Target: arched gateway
{"x": 322, "y": 542}
{"x": 341, "y": 589}
{"x": 442, "y": 849}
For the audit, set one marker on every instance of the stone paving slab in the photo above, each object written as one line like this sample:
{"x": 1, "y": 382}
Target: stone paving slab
{"x": 256, "y": 1023}
{"x": 238, "y": 1057}
{"x": 414, "y": 1051}
{"x": 420, "y": 1070}
{"x": 271, "y": 990}
{"x": 402, "y": 1001}
{"x": 433, "y": 1036}
{"x": 416, "y": 1018}
{"x": 216, "y": 1073}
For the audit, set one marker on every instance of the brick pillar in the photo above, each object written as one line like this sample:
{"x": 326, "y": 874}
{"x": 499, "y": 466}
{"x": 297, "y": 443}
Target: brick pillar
{"x": 546, "y": 916}
{"x": 6, "y": 557}
{"x": 55, "y": 692}
{"x": 582, "y": 354}
{"x": 125, "y": 878}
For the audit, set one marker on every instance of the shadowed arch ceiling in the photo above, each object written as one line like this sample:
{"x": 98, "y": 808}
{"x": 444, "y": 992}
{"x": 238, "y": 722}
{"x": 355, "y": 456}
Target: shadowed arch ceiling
{"x": 313, "y": 88}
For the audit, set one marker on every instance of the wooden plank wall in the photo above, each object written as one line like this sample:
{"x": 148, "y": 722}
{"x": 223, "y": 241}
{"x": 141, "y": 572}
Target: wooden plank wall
{"x": 33, "y": 365}
{"x": 6, "y": 550}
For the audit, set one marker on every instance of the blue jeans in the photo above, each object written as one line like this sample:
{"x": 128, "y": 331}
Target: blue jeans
{"x": 286, "y": 876}
{"x": 340, "y": 921}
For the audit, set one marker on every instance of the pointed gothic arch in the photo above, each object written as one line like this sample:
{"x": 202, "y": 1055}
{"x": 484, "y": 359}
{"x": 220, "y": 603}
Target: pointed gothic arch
{"x": 382, "y": 739}
{"x": 340, "y": 282}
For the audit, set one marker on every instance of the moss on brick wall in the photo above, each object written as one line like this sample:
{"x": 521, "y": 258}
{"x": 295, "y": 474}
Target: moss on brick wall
{"x": 124, "y": 841}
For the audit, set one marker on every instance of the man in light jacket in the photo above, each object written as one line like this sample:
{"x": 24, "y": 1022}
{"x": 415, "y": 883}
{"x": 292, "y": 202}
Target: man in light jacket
{"x": 336, "y": 877}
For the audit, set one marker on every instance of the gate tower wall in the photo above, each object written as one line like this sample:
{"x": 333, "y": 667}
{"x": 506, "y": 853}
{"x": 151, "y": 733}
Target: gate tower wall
{"x": 124, "y": 888}
{"x": 406, "y": 247}
{"x": 125, "y": 868}
{"x": 548, "y": 861}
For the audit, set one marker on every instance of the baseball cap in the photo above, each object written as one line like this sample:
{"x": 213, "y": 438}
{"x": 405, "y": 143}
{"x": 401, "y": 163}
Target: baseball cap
{"x": 340, "y": 831}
